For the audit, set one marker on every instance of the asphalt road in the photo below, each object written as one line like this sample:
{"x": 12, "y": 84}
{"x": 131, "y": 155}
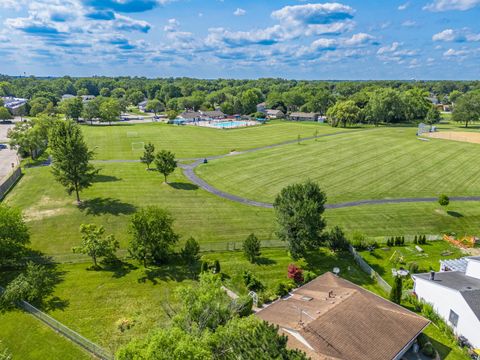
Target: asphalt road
{"x": 7, "y": 156}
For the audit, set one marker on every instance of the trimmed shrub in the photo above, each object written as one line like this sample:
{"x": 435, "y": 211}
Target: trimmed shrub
{"x": 216, "y": 267}
{"x": 251, "y": 282}
{"x": 295, "y": 273}
{"x": 204, "y": 267}
{"x": 282, "y": 289}
{"x": 428, "y": 350}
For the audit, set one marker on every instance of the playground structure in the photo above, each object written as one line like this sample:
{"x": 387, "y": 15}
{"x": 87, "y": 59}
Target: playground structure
{"x": 465, "y": 242}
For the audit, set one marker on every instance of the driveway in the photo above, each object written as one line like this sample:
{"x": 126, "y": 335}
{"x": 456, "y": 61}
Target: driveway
{"x": 7, "y": 156}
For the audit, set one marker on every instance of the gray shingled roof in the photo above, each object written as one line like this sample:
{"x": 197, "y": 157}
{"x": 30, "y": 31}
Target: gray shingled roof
{"x": 469, "y": 287}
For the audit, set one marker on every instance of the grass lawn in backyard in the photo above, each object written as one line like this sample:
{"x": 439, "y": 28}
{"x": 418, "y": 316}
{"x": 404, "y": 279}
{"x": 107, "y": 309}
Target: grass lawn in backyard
{"x": 115, "y": 142}
{"x": 383, "y": 259}
{"x": 27, "y": 338}
{"x": 373, "y": 164}
{"x": 271, "y": 267}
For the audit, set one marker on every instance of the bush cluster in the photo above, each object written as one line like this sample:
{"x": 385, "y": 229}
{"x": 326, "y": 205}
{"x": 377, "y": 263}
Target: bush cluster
{"x": 212, "y": 267}
{"x": 252, "y": 282}
{"x": 420, "y": 239}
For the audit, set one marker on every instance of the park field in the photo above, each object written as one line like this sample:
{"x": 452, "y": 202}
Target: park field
{"x": 115, "y": 141}
{"x": 374, "y": 164}
{"x": 218, "y": 224}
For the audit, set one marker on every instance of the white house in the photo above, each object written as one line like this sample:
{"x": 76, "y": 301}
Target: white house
{"x": 455, "y": 295}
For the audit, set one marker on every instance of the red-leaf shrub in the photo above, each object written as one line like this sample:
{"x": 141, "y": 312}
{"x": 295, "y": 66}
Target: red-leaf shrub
{"x": 295, "y": 273}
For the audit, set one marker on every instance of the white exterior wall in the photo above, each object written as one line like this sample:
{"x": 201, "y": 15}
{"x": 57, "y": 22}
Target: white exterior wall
{"x": 473, "y": 268}
{"x": 443, "y": 300}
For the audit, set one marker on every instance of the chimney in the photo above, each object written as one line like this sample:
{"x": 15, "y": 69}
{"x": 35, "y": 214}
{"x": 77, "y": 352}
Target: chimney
{"x": 432, "y": 275}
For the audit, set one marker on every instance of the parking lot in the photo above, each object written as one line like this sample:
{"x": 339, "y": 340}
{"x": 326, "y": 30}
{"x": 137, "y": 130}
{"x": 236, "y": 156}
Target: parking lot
{"x": 7, "y": 156}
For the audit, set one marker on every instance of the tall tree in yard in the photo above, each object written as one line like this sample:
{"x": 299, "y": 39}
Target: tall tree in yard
{"x": 251, "y": 248}
{"x": 148, "y": 155}
{"x": 467, "y": 108}
{"x": 71, "y": 158}
{"x": 95, "y": 245}
{"x": 165, "y": 163}
{"x": 72, "y": 108}
{"x": 14, "y": 235}
{"x": 396, "y": 292}
{"x": 152, "y": 235}
{"x": 110, "y": 110}
{"x": 299, "y": 209}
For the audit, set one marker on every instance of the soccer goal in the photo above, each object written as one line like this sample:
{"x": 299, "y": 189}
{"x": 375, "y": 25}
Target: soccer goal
{"x": 423, "y": 128}
{"x": 138, "y": 146}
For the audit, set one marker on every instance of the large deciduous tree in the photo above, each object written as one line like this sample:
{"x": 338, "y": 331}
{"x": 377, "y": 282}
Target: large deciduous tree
{"x": 165, "y": 163}
{"x": 5, "y": 114}
{"x": 72, "y": 108}
{"x": 95, "y": 244}
{"x": 148, "y": 155}
{"x": 91, "y": 110}
{"x": 343, "y": 113}
{"x": 299, "y": 209}
{"x": 154, "y": 106}
{"x": 71, "y": 158}
{"x": 153, "y": 236}
{"x": 14, "y": 235}
{"x": 467, "y": 108}
{"x": 110, "y": 110}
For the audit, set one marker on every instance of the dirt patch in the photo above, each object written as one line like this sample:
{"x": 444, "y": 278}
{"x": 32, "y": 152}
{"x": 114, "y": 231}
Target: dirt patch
{"x": 470, "y": 137}
{"x": 45, "y": 208}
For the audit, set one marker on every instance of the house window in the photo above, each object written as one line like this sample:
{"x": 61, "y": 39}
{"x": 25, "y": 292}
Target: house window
{"x": 453, "y": 318}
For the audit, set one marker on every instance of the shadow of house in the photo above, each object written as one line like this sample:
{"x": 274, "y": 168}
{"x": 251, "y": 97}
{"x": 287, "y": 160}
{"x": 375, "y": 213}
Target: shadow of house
{"x": 102, "y": 206}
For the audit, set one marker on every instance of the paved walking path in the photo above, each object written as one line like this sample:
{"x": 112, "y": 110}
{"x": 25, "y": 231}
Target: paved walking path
{"x": 189, "y": 172}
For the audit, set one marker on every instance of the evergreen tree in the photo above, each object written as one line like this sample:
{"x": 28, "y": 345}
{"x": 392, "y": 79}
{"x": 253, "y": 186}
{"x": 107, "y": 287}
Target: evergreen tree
{"x": 396, "y": 292}
{"x": 190, "y": 251}
{"x": 71, "y": 158}
{"x": 251, "y": 248}
{"x": 216, "y": 267}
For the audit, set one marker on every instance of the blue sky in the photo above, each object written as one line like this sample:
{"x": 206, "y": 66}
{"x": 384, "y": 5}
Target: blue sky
{"x": 356, "y": 39}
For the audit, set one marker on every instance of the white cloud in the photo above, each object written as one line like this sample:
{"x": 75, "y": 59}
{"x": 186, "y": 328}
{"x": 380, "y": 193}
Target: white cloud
{"x": 456, "y": 53}
{"x": 409, "y": 23}
{"x": 404, "y": 6}
{"x": 239, "y": 12}
{"x": 314, "y": 14}
{"x": 453, "y": 35}
{"x": 446, "y": 5}
{"x": 395, "y": 53}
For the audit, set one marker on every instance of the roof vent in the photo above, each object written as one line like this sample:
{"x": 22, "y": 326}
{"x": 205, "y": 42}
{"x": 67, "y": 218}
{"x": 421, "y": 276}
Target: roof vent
{"x": 306, "y": 298}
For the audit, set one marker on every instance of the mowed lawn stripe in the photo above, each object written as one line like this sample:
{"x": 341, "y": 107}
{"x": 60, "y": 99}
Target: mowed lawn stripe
{"x": 387, "y": 163}
{"x": 115, "y": 142}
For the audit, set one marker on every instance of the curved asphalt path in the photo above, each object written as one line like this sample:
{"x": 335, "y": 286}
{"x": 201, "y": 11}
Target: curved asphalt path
{"x": 189, "y": 172}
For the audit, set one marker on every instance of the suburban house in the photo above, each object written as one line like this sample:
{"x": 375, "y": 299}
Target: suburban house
{"x": 67, "y": 96}
{"x": 14, "y": 104}
{"x": 332, "y": 318}
{"x": 303, "y": 116}
{"x": 275, "y": 114}
{"x": 454, "y": 293}
{"x": 262, "y": 107}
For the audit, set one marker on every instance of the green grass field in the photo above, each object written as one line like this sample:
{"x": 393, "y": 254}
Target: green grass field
{"x": 359, "y": 165}
{"x": 27, "y": 338}
{"x": 115, "y": 142}
{"x": 382, "y": 260}
{"x": 375, "y": 164}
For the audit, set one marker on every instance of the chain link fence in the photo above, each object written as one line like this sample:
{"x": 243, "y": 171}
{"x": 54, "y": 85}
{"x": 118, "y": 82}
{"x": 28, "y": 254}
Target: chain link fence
{"x": 368, "y": 269}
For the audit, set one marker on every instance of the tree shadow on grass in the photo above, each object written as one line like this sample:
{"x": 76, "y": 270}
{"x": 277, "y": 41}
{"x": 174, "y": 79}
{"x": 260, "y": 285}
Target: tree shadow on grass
{"x": 118, "y": 268}
{"x": 99, "y": 178}
{"x": 454, "y": 214}
{"x": 320, "y": 262}
{"x": 102, "y": 206}
{"x": 172, "y": 272}
{"x": 183, "y": 186}
{"x": 264, "y": 261}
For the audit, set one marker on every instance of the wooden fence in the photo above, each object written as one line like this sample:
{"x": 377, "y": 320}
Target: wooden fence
{"x": 7, "y": 183}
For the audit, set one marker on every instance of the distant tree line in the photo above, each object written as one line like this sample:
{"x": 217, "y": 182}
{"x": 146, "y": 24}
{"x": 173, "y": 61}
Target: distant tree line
{"x": 349, "y": 102}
